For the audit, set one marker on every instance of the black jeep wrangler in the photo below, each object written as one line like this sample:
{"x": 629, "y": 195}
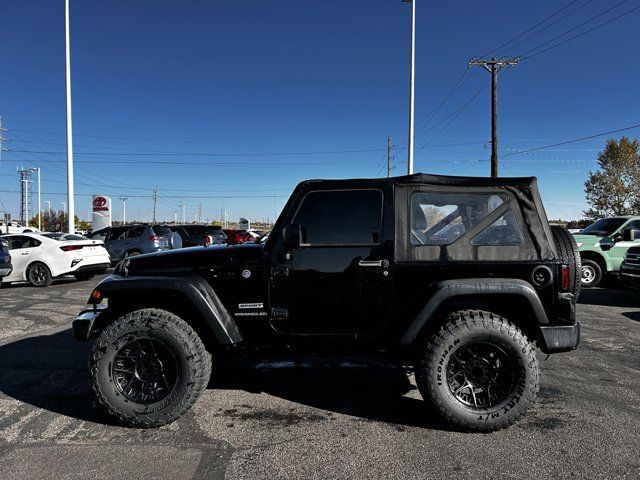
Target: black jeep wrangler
{"x": 460, "y": 277}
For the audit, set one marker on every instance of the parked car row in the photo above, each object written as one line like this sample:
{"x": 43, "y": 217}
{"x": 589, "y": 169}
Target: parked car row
{"x": 131, "y": 240}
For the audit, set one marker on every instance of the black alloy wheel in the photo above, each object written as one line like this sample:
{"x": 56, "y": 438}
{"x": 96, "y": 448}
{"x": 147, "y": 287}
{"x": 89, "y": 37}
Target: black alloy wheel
{"x": 145, "y": 371}
{"x": 39, "y": 275}
{"x": 479, "y": 371}
{"x": 481, "y": 375}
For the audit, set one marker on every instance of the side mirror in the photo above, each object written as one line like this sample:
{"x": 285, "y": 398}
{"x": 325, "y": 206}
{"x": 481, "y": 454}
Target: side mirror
{"x": 291, "y": 235}
{"x": 629, "y": 235}
{"x": 607, "y": 243}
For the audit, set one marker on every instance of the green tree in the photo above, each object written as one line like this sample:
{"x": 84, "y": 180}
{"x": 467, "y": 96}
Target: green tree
{"x": 52, "y": 221}
{"x": 614, "y": 189}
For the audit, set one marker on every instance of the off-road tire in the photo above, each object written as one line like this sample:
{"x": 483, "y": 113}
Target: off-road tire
{"x": 596, "y": 270}
{"x": 39, "y": 275}
{"x": 193, "y": 367}
{"x": 569, "y": 255}
{"x": 84, "y": 276}
{"x": 461, "y": 329}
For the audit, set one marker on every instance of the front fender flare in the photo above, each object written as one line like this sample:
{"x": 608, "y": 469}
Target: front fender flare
{"x": 474, "y": 286}
{"x": 195, "y": 288}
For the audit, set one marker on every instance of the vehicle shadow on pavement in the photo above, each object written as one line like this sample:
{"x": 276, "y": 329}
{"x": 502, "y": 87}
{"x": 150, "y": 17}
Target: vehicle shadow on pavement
{"x": 57, "y": 281}
{"x": 370, "y": 390}
{"x": 50, "y": 372}
{"x": 608, "y": 297}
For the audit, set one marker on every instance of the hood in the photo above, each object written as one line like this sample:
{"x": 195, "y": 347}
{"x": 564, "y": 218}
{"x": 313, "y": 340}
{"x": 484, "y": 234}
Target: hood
{"x": 587, "y": 240}
{"x": 190, "y": 260}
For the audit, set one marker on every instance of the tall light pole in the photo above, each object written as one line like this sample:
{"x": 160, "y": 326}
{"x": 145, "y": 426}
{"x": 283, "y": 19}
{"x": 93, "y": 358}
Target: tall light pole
{"x": 39, "y": 199}
{"x": 70, "y": 192}
{"x": 124, "y": 209}
{"x": 411, "y": 86}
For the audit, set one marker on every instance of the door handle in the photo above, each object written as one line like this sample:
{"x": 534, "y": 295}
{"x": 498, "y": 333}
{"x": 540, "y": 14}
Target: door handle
{"x": 374, "y": 263}
{"x": 26, "y": 253}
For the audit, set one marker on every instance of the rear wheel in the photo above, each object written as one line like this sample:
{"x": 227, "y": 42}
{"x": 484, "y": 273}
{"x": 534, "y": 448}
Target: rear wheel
{"x": 479, "y": 371}
{"x": 591, "y": 273}
{"x": 148, "y": 367}
{"x": 39, "y": 275}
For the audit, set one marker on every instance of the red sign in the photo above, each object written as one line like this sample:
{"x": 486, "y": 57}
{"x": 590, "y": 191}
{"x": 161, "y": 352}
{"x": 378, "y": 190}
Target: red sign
{"x": 99, "y": 204}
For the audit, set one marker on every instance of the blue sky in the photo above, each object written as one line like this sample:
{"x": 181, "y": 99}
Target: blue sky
{"x": 245, "y": 99}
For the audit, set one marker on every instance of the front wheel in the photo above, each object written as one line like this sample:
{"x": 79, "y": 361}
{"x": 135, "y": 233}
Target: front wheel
{"x": 479, "y": 371}
{"x": 148, "y": 367}
{"x": 591, "y": 273}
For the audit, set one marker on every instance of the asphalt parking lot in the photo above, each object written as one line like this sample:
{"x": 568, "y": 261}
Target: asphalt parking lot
{"x": 334, "y": 418}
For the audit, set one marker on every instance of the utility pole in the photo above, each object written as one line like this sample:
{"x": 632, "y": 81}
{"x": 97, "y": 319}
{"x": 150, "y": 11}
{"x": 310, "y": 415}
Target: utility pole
{"x": 155, "y": 203}
{"x": 388, "y": 157}
{"x": 1, "y": 130}
{"x": 494, "y": 66}
{"x": 70, "y": 192}
{"x": 200, "y": 213}
{"x": 124, "y": 209}
{"x": 411, "y": 86}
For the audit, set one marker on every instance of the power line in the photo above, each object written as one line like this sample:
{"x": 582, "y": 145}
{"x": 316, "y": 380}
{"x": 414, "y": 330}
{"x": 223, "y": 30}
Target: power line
{"x": 585, "y": 32}
{"x": 549, "y": 25}
{"x": 604, "y": 12}
{"x": 529, "y": 29}
{"x": 572, "y": 141}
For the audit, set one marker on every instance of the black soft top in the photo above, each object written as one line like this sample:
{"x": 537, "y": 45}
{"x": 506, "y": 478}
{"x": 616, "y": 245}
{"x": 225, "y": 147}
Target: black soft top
{"x": 523, "y": 192}
{"x": 436, "y": 180}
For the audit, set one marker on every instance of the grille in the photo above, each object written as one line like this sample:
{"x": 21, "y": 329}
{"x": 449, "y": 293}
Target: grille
{"x": 633, "y": 259}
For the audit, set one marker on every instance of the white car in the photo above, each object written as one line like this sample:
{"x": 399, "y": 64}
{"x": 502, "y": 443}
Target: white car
{"x": 15, "y": 227}
{"x": 38, "y": 258}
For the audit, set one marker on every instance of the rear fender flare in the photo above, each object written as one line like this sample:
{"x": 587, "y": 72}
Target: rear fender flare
{"x": 473, "y": 286}
{"x": 193, "y": 287}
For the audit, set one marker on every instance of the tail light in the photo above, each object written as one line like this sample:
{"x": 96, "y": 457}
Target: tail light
{"x": 154, "y": 238}
{"x": 70, "y": 248}
{"x": 566, "y": 279}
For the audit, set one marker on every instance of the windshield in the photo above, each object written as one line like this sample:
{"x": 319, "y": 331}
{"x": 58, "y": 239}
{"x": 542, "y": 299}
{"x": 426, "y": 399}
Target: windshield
{"x": 604, "y": 227}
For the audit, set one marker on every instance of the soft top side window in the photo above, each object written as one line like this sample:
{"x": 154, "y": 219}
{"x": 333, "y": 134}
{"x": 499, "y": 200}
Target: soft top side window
{"x": 341, "y": 217}
{"x": 504, "y": 231}
{"x": 441, "y": 218}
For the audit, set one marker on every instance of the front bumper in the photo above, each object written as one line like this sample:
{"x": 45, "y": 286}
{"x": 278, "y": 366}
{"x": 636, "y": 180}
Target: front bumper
{"x": 559, "y": 338}
{"x": 630, "y": 277}
{"x": 83, "y": 324}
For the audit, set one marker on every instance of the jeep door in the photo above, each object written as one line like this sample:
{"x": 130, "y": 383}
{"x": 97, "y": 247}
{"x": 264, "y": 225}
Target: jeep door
{"x": 338, "y": 277}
